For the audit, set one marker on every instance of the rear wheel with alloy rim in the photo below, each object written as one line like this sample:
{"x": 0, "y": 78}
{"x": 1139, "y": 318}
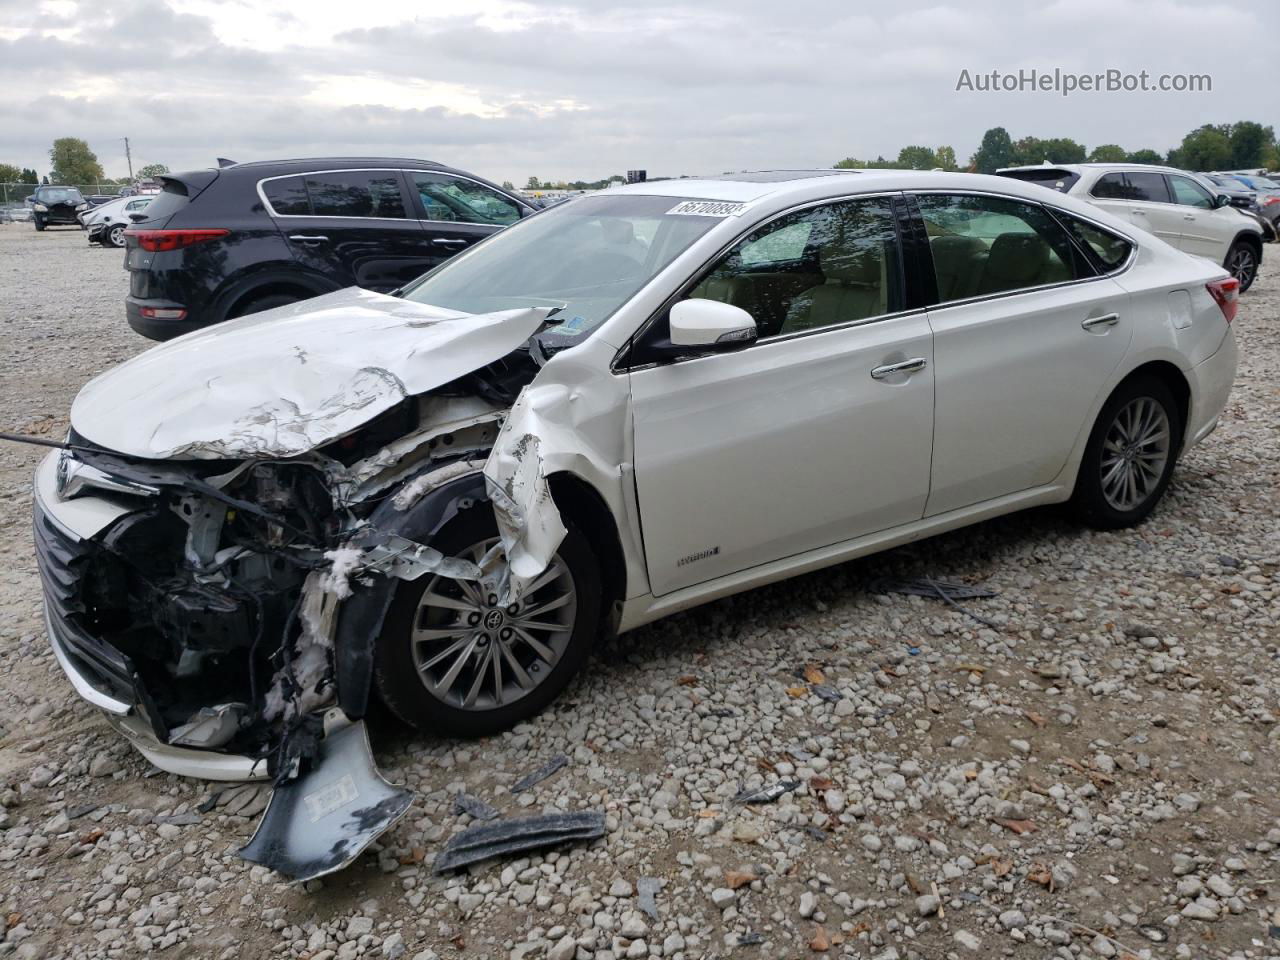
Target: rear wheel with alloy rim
{"x": 1131, "y": 454}
{"x": 453, "y": 659}
{"x": 1242, "y": 263}
{"x": 115, "y": 236}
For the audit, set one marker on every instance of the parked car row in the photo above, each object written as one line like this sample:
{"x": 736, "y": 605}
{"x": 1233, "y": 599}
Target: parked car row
{"x": 107, "y": 222}
{"x": 1178, "y": 207}
{"x": 1254, "y": 192}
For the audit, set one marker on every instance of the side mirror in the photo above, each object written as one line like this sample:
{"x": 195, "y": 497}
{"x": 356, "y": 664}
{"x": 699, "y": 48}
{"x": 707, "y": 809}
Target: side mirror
{"x": 137, "y": 217}
{"x": 1221, "y": 200}
{"x": 711, "y": 325}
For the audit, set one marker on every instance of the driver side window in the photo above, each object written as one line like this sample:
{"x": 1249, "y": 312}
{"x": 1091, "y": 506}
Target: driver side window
{"x": 815, "y": 268}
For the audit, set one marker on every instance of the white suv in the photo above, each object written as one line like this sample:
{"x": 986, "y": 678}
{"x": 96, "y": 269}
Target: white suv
{"x": 1177, "y": 206}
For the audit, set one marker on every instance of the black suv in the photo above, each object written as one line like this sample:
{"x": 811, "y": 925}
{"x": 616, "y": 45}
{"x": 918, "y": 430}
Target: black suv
{"x": 56, "y": 205}
{"x": 217, "y": 244}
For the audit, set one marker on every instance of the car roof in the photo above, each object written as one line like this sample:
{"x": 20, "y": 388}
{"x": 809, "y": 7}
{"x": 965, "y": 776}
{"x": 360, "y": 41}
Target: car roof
{"x": 1118, "y": 167}
{"x": 335, "y": 163}
{"x": 749, "y": 187}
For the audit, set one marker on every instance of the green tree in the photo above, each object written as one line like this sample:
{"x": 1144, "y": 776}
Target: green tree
{"x": 73, "y": 162}
{"x": 9, "y": 173}
{"x": 152, "y": 170}
{"x": 1144, "y": 156}
{"x": 1109, "y": 153}
{"x": 508, "y": 185}
{"x": 1204, "y": 148}
{"x": 917, "y": 158}
{"x": 29, "y": 176}
{"x": 995, "y": 151}
{"x": 1249, "y": 144}
{"x": 533, "y": 184}
{"x": 1032, "y": 150}
{"x": 946, "y": 158}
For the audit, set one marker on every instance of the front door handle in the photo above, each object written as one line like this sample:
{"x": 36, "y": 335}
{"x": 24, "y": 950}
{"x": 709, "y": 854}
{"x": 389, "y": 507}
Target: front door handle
{"x": 300, "y": 238}
{"x": 446, "y": 242}
{"x": 902, "y": 366}
{"x": 1188, "y": 216}
{"x": 1106, "y": 320}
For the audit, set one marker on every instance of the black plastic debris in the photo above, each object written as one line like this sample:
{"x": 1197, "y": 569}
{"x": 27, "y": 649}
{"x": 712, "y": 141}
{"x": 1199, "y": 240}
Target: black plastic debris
{"x": 646, "y": 895}
{"x": 766, "y": 794}
{"x": 547, "y": 769}
{"x": 949, "y": 593}
{"x": 750, "y": 939}
{"x": 824, "y": 692}
{"x": 474, "y": 807}
{"x": 489, "y": 840}
{"x": 928, "y": 587}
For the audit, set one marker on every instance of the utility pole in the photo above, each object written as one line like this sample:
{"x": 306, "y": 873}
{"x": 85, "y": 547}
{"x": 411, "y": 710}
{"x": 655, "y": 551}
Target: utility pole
{"x": 128, "y": 157}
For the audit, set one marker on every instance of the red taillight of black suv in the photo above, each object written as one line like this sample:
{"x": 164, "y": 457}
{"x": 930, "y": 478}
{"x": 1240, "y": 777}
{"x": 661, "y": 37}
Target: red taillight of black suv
{"x": 157, "y": 241}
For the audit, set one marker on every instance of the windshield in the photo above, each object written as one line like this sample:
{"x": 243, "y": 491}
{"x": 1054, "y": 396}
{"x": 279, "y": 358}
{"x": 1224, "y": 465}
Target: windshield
{"x": 58, "y": 195}
{"x": 586, "y": 257}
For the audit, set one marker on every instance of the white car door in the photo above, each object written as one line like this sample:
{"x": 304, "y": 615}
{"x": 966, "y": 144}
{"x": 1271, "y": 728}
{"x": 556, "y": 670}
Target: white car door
{"x": 1022, "y": 346}
{"x": 817, "y": 433}
{"x": 1207, "y": 230}
{"x": 1142, "y": 198}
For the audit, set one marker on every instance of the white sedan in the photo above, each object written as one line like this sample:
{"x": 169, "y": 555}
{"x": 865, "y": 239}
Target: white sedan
{"x": 621, "y": 407}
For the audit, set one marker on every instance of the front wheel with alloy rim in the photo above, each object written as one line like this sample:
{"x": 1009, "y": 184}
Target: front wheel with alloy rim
{"x": 1242, "y": 263}
{"x": 1130, "y": 457}
{"x": 452, "y": 659}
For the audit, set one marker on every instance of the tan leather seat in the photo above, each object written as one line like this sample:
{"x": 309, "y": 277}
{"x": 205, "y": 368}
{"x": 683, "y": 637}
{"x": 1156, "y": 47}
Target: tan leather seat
{"x": 1016, "y": 260}
{"x": 957, "y": 263}
{"x": 853, "y": 288}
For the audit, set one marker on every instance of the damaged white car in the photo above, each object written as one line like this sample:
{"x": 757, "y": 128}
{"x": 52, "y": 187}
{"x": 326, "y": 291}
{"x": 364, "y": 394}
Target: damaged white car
{"x": 619, "y": 408}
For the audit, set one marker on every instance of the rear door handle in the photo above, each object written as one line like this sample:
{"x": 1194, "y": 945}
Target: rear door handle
{"x": 446, "y": 242}
{"x": 300, "y": 238}
{"x": 902, "y": 366}
{"x": 1188, "y": 216}
{"x": 1106, "y": 320}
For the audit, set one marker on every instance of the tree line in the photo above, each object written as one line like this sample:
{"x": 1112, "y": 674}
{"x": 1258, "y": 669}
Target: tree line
{"x": 1213, "y": 146}
{"x": 71, "y": 161}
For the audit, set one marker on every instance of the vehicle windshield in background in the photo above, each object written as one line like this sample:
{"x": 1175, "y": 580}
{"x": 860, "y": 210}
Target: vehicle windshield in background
{"x": 587, "y": 257}
{"x": 58, "y": 195}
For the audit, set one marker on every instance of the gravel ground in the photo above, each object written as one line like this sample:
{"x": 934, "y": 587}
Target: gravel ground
{"x": 1091, "y": 776}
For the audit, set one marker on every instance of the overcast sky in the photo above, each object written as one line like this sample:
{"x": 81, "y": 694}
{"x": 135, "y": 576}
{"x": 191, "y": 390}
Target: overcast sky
{"x": 586, "y": 88}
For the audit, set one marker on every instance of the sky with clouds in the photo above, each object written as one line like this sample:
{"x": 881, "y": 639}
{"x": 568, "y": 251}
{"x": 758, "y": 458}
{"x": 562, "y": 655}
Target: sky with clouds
{"x": 587, "y": 88}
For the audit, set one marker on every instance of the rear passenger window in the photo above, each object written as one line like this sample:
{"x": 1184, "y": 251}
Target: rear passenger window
{"x": 828, "y": 265}
{"x": 356, "y": 193}
{"x": 287, "y": 196}
{"x": 1111, "y": 187}
{"x": 1110, "y": 250}
{"x": 985, "y": 245}
{"x": 1147, "y": 186}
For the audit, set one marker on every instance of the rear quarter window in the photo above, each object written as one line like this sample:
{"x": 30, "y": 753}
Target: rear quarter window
{"x": 1109, "y": 251}
{"x": 287, "y": 196}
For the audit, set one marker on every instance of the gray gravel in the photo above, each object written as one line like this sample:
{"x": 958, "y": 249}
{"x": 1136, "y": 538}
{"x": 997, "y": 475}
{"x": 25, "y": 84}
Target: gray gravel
{"x": 1094, "y": 778}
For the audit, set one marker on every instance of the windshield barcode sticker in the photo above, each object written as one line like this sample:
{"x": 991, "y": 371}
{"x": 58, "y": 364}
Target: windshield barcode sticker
{"x": 708, "y": 208}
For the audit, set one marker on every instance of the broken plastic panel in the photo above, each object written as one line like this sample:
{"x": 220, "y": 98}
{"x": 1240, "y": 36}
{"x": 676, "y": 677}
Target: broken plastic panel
{"x": 484, "y": 842}
{"x": 322, "y": 820}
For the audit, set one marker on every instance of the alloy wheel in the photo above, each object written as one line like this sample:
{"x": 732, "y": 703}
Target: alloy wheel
{"x": 1134, "y": 453}
{"x": 117, "y": 236}
{"x": 1242, "y": 265}
{"x": 473, "y": 653}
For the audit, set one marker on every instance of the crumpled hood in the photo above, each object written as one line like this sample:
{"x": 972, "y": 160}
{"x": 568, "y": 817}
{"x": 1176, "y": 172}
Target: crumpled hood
{"x": 285, "y": 381}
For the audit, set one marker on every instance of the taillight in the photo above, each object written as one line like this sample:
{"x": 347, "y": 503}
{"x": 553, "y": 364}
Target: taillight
{"x": 163, "y": 313}
{"x": 1268, "y": 201}
{"x": 1226, "y": 294}
{"x": 156, "y": 241}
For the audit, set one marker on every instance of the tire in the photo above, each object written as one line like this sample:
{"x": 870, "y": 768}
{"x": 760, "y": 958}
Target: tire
{"x": 265, "y": 302}
{"x": 1242, "y": 263}
{"x": 1102, "y": 498}
{"x": 398, "y": 660}
{"x": 113, "y": 237}
{"x": 39, "y": 224}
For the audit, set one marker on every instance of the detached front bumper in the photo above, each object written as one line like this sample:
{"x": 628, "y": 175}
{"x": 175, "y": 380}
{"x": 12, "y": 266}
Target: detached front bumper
{"x": 98, "y": 672}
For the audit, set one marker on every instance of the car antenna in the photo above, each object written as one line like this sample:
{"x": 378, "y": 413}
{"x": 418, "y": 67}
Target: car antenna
{"x": 224, "y": 162}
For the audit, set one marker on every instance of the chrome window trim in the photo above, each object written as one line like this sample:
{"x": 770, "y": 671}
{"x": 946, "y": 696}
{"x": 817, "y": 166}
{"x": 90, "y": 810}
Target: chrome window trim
{"x": 271, "y": 212}
{"x": 616, "y": 366}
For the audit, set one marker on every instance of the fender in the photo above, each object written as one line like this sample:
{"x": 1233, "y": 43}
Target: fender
{"x": 271, "y": 275}
{"x": 362, "y": 614}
